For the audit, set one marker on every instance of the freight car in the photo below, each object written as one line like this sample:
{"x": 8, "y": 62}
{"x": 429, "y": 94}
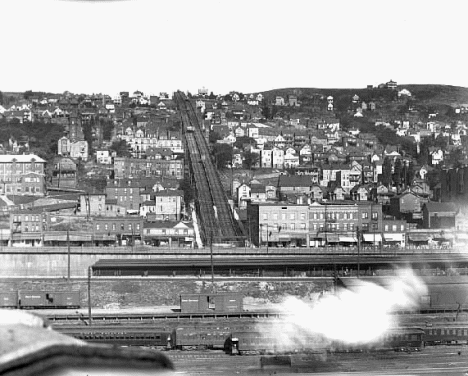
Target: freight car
{"x": 444, "y": 294}
{"x": 202, "y": 303}
{"x": 33, "y": 299}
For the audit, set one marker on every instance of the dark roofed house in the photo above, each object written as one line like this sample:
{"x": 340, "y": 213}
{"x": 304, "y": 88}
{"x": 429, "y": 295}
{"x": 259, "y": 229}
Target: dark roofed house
{"x": 294, "y": 184}
{"x": 439, "y": 215}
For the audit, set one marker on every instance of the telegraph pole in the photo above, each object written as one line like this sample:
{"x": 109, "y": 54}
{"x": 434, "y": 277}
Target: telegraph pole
{"x": 68, "y": 253}
{"x": 358, "y": 251}
{"x": 211, "y": 259}
{"x": 89, "y": 296}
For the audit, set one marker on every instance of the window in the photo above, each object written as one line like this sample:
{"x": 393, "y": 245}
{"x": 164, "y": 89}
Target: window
{"x": 402, "y": 227}
{"x": 292, "y": 226}
{"x": 106, "y": 227}
{"x": 303, "y": 216}
{"x": 97, "y": 227}
{"x": 394, "y": 228}
{"x": 113, "y": 226}
{"x": 365, "y": 215}
{"x": 275, "y": 216}
{"x": 130, "y": 228}
{"x": 283, "y": 216}
{"x": 302, "y": 226}
{"x": 292, "y": 216}
{"x": 375, "y": 216}
{"x": 386, "y": 227}
{"x": 265, "y": 216}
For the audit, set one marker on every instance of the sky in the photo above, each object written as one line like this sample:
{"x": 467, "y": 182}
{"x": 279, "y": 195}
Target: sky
{"x": 225, "y": 45}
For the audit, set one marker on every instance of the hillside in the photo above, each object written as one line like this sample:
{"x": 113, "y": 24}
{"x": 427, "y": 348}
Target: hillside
{"x": 425, "y": 94}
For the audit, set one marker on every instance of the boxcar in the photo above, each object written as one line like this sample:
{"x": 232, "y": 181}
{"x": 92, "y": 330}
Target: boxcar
{"x": 32, "y": 299}
{"x": 9, "y": 299}
{"x": 68, "y": 299}
{"x": 48, "y": 299}
{"x": 203, "y": 303}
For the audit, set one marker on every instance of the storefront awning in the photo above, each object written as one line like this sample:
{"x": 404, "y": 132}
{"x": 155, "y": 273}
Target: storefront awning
{"x": 347, "y": 239}
{"x": 27, "y": 236}
{"x": 102, "y": 237}
{"x": 333, "y": 238}
{"x": 80, "y": 237}
{"x": 372, "y": 237}
{"x": 394, "y": 237}
{"x": 418, "y": 237}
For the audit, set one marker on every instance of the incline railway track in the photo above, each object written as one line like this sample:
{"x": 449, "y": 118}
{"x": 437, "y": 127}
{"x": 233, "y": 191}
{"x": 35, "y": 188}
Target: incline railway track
{"x": 217, "y": 221}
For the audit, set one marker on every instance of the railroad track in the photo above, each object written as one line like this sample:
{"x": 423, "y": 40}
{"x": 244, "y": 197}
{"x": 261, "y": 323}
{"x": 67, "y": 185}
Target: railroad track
{"x": 216, "y": 218}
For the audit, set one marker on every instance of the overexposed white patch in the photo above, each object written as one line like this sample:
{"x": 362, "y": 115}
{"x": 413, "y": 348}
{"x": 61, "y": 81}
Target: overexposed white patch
{"x": 359, "y": 315}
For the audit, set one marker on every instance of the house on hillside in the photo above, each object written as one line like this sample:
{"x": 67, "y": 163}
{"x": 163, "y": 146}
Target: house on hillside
{"x": 439, "y": 215}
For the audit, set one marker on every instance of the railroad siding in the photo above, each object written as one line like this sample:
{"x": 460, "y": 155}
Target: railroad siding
{"x": 149, "y": 293}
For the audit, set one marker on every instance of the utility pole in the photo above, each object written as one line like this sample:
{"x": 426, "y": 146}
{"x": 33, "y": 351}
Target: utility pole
{"x": 358, "y": 250}
{"x": 68, "y": 253}
{"x": 211, "y": 259}
{"x": 89, "y": 296}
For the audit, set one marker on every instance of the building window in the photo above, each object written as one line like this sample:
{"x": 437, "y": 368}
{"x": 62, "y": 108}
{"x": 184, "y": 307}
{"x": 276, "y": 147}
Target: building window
{"x": 106, "y": 227}
{"x": 130, "y": 227}
{"x": 402, "y": 227}
{"x": 303, "y": 226}
{"x": 292, "y": 226}
{"x": 113, "y": 226}
{"x": 292, "y": 216}
{"x": 365, "y": 215}
{"x": 97, "y": 227}
{"x": 386, "y": 227}
{"x": 375, "y": 216}
{"x": 275, "y": 216}
{"x": 394, "y": 228}
{"x": 265, "y": 216}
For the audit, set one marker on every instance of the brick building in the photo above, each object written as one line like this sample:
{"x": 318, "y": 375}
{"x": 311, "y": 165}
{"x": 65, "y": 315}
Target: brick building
{"x": 22, "y": 175}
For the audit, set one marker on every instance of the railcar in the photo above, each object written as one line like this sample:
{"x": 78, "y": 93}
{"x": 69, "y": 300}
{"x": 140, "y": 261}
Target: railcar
{"x": 9, "y": 299}
{"x": 36, "y": 299}
{"x": 158, "y": 338}
{"x": 446, "y": 335}
{"x": 268, "y": 342}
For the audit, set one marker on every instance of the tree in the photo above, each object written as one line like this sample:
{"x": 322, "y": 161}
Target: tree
{"x": 409, "y": 174}
{"x": 121, "y": 148}
{"x": 214, "y": 136}
{"x": 244, "y": 140}
{"x": 187, "y": 187}
{"x": 223, "y": 155}
{"x": 398, "y": 172}
{"x": 387, "y": 172}
{"x": 250, "y": 159}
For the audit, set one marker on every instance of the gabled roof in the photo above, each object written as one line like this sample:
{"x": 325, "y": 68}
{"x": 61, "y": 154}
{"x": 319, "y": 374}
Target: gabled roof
{"x": 294, "y": 181}
{"x": 440, "y": 207}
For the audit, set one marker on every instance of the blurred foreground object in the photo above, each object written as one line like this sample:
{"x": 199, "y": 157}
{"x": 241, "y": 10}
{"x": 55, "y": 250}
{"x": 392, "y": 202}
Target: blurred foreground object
{"x": 27, "y": 349}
